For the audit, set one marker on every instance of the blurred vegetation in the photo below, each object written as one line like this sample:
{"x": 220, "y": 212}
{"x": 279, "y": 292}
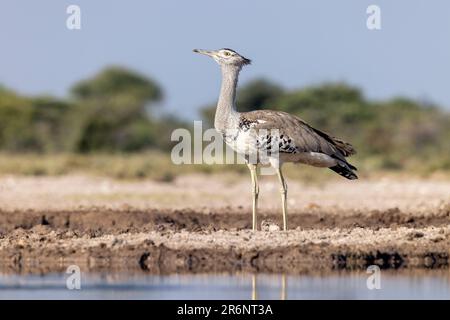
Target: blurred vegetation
{"x": 153, "y": 164}
{"x": 157, "y": 165}
{"x": 107, "y": 125}
{"x": 258, "y": 93}
{"x": 109, "y": 112}
{"x": 391, "y": 135}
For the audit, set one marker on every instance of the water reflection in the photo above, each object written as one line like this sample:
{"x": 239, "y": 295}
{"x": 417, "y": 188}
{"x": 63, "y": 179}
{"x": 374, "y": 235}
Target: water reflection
{"x": 422, "y": 285}
{"x": 255, "y": 288}
{"x": 283, "y": 287}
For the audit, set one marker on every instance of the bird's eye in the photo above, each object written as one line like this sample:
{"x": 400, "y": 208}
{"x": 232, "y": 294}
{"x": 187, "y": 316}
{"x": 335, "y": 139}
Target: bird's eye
{"x": 226, "y": 53}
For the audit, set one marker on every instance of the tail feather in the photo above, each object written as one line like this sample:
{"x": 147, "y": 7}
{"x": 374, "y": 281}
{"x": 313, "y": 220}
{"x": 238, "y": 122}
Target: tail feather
{"x": 344, "y": 147}
{"x": 345, "y": 171}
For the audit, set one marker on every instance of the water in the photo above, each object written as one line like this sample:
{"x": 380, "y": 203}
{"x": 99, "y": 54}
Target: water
{"x": 428, "y": 285}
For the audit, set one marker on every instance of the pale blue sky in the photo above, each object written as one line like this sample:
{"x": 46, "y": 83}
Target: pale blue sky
{"x": 295, "y": 43}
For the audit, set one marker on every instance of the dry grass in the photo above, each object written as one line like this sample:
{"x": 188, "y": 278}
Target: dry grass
{"x": 156, "y": 165}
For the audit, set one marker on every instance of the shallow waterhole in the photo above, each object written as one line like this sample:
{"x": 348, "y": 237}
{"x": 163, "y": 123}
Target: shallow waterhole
{"x": 338, "y": 285}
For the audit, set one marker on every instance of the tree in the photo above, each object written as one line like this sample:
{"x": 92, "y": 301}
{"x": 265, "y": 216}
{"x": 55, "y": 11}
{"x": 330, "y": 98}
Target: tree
{"x": 112, "y": 111}
{"x": 116, "y": 80}
{"x": 15, "y": 115}
{"x": 31, "y": 124}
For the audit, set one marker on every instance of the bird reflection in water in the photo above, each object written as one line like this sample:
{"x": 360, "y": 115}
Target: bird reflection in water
{"x": 283, "y": 287}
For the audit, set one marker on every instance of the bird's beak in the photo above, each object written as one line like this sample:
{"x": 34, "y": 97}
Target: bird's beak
{"x": 205, "y": 52}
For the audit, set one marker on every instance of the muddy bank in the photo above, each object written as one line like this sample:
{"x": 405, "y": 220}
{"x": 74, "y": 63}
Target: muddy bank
{"x": 149, "y": 244}
{"x": 200, "y": 224}
{"x": 100, "y": 221}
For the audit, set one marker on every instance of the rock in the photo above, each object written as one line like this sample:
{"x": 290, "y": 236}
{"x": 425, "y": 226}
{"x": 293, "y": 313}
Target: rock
{"x": 414, "y": 235}
{"x": 269, "y": 226}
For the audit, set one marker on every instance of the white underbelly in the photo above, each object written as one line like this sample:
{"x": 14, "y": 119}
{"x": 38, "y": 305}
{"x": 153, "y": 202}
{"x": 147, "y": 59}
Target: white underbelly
{"x": 245, "y": 143}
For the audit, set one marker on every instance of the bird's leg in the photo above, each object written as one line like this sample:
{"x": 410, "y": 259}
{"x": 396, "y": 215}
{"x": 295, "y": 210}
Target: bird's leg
{"x": 255, "y": 192}
{"x": 283, "y": 191}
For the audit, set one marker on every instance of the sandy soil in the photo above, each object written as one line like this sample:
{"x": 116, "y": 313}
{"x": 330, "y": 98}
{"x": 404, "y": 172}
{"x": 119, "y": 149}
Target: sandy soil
{"x": 199, "y": 224}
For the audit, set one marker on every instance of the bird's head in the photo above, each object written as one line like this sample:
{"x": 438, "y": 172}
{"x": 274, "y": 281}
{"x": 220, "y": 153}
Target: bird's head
{"x": 225, "y": 57}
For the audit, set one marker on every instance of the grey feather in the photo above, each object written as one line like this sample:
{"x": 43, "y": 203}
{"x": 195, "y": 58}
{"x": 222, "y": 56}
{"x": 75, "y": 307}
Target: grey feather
{"x": 305, "y": 137}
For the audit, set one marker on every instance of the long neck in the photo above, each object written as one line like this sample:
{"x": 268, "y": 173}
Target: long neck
{"x": 226, "y": 114}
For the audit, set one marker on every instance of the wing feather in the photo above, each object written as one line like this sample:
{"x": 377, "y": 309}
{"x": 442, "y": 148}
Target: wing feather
{"x": 305, "y": 137}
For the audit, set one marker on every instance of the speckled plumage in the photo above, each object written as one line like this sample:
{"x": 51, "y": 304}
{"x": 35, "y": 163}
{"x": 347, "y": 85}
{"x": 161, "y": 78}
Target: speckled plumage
{"x": 300, "y": 141}
{"x": 272, "y": 135}
{"x": 294, "y": 140}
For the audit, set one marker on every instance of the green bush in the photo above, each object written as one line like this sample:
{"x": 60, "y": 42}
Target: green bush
{"x": 109, "y": 112}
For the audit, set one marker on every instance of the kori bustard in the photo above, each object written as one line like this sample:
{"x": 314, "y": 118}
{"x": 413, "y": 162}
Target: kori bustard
{"x": 293, "y": 141}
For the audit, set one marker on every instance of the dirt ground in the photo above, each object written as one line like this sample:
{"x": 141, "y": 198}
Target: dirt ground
{"x": 199, "y": 223}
